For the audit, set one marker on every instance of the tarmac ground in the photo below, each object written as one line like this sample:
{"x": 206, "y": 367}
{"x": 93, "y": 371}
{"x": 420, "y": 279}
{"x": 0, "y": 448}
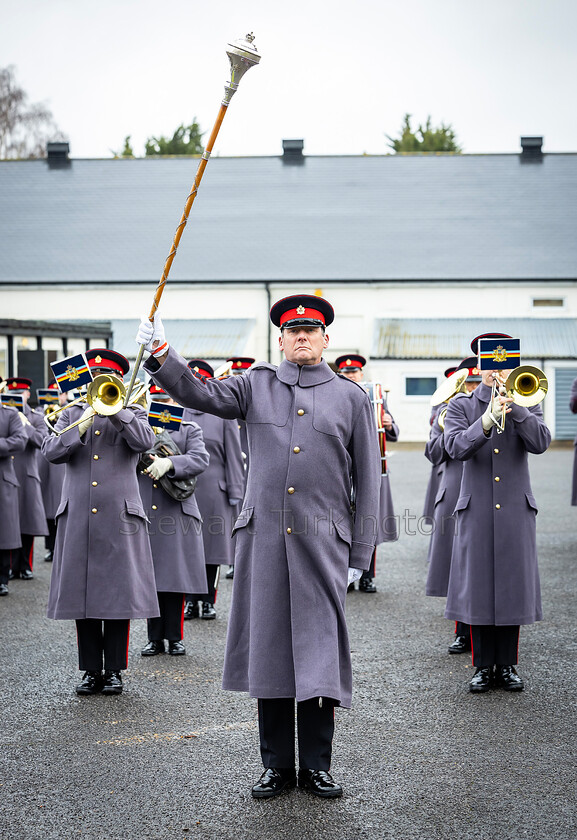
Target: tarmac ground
{"x": 418, "y": 755}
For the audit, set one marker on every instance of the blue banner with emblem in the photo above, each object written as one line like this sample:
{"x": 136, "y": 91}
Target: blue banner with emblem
{"x": 46, "y": 396}
{"x": 499, "y": 353}
{"x": 13, "y": 400}
{"x": 72, "y": 372}
{"x": 165, "y": 416}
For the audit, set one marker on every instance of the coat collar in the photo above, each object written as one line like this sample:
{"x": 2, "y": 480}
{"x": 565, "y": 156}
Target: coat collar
{"x": 304, "y": 375}
{"x": 482, "y": 392}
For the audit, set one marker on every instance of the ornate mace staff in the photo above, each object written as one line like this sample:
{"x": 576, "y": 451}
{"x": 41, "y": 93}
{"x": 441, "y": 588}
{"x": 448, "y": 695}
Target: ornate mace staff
{"x": 242, "y": 55}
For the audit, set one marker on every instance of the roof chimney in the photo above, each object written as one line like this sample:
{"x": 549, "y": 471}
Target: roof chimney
{"x": 292, "y": 151}
{"x": 531, "y": 149}
{"x": 57, "y": 154}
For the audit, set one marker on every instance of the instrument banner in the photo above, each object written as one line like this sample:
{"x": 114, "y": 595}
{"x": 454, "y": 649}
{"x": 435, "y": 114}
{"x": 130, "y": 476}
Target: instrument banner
{"x": 72, "y": 372}
{"x": 47, "y": 396}
{"x": 13, "y": 400}
{"x": 165, "y": 416}
{"x": 499, "y": 353}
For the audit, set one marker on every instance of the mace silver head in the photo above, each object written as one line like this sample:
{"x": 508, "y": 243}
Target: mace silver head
{"x": 242, "y": 55}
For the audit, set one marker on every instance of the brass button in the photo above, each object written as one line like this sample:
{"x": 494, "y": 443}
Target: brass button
{"x": 296, "y": 450}
{"x": 155, "y": 486}
{"x": 153, "y": 507}
{"x": 12, "y": 456}
{"x": 94, "y": 510}
{"x": 95, "y": 484}
{"x": 97, "y": 432}
{"x": 290, "y": 491}
{"x": 95, "y": 457}
{"x": 498, "y": 507}
{"x": 496, "y": 451}
{"x": 300, "y": 412}
{"x": 497, "y": 478}
{"x": 289, "y": 530}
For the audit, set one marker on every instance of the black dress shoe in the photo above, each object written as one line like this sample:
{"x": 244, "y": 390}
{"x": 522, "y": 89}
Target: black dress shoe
{"x": 273, "y": 781}
{"x": 153, "y": 648}
{"x": 367, "y": 585}
{"x": 320, "y": 783}
{"x": 208, "y": 610}
{"x": 112, "y": 683}
{"x": 13, "y": 575}
{"x": 462, "y": 644}
{"x": 482, "y": 680}
{"x": 230, "y": 574}
{"x": 176, "y": 648}
{"x": 26, "y": 575}
{"x": 3, "y": 589}
{"x": 48, "y": 557}
{"x": 507, "y": 677}
{"x": 91, "y": 683}
{"x": 191, "y": 610}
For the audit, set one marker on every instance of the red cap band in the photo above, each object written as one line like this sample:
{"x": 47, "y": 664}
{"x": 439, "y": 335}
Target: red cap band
{"x": 300, "y": 313}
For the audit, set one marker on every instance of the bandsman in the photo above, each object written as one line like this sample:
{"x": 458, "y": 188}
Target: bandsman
{"x": 13, "y": 440}
{"x": 573, "y": 408}
{"x": 436, "y": 470}
{"x": 51, "y": 481}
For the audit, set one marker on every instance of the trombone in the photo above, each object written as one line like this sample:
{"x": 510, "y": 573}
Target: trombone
{"x": 105, "y": 395}
{"x": 453, "y": 385}
{"x": 526, "y": 385}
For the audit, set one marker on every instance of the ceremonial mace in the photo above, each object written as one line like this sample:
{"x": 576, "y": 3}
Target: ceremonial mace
{"x": 242, "y": 55}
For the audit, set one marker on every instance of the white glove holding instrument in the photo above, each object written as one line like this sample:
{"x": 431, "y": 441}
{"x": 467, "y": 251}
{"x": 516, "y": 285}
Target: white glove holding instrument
{"x": 493, "y": 415}
{"x": 151, "y": 335}
{"x": 159, "y": 467}
{"x": 354, "y": 575}
{"x": 87, "y": 420}
{"x": 23, "y": 419}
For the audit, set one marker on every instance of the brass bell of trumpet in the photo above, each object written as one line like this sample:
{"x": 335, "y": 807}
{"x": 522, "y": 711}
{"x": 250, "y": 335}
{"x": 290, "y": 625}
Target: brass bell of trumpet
{"x": 105, "y": 395}
{"x": 527, "y": 385}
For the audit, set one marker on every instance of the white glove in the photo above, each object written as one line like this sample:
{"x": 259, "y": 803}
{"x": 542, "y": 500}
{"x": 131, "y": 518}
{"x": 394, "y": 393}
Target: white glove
{"x": 159, "y": 467}
{"x": 87, "y": 420}
{"x": 151, "y": 335}
{"x": 354, "y": 574}
{"x": 487, "y": 419}
{"x": 23, "y": 419}
{"x": 234, "y": 502}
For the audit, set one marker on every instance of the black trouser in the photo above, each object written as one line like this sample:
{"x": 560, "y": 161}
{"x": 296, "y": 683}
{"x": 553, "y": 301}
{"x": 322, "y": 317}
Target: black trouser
{"x": 5, "y": 554}
{"x": 50, "y": 540}
{"x": 462, "y": 629}
{"x": 370, "y": 573}
{"x": 494, "y": 645}
{"x": 169, "y": 623}
{"x": 102, "y": 640}
{"x": 212, "y": 578}
{"x": 315, "y": 728}
{"x": 22, "y": 557}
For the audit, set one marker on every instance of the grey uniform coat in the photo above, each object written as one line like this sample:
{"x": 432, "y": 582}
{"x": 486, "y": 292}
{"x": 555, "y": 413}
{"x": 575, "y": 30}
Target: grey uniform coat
{"x": 308, "y": 432}
{"x": 436, "y": 473}
{"x": 387, "y": 530}
{"x": 26, "y": 463}
{"x": 494, "y": 577}
{"x": 222, "y": 480}
{"x": 443, "y": 525}
{"x": 573, "y": 407}
{"x": 176, "y": 527}
{"x": 51, "y": 481}
{"x": 13, "y": 439}
{"x": 102, "y": 560}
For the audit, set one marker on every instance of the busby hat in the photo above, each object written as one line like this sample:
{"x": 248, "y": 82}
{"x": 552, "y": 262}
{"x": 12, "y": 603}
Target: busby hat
{"x": 350, "y": 361}
{"x": 108, "y": 361}
{"x": 202, "y": 367}
{"x": 302, "y": 311}
{"x": 475, "y": 341}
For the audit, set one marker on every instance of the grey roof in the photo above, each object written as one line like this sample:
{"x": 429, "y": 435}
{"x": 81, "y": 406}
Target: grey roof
{"x": 332, "y": 218}
{"x": 209, "y": 338}
{"x": 448, "y": 338}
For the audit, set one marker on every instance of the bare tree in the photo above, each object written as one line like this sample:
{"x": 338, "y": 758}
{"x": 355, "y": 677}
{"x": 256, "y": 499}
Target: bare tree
{"x": 25, "y": 127}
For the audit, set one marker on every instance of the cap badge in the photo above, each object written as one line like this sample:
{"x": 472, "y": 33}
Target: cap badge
{"x": 300, "y": 310}
{"x": 348, "y": 362}
{"x": 73, "y": 374}
{"x": 239, "y": 364}
{"x": 98, "y": 359}
{"x": 499, "y": 354}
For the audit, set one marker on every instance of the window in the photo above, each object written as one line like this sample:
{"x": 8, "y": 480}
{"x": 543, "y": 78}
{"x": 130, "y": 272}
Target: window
{"x": 420, "y": 386}
{"x": 548, "y": 302}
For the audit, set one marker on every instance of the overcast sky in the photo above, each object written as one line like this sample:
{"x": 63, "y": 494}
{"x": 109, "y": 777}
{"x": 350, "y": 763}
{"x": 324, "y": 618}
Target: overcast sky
{"x": 338, "y": 75}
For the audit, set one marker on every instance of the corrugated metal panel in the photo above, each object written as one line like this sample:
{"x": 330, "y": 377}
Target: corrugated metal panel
{"x": 450, "y": 338}
{"x": 565, "y": 421}
{"x": 210, "y": 338}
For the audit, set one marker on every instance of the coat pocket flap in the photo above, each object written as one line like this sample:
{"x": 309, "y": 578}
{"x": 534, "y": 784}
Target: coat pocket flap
{"x": 440, "y": 495}
{"x": 243, "y": 519}
{"x": 222, "y": 485}
{"x": 463, "y": 502}
{"x": 190, "y": 508}
{"x": 61, "y": 508}
{"x": 531, "y": 501}
{"x": 135, "y": 508}
{"x": 344, "y": 530}
{"x": 11, "y": 479}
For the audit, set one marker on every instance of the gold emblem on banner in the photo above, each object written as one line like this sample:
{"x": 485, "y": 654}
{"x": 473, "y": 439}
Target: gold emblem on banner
{"x": 499, "y": 354}
{"x": 73, "y": 374}
{"x": 165, "y": 416}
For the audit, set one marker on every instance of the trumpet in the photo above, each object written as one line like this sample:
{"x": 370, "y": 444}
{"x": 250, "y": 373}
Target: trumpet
{"x": 453, "y": 385}
{"x": 105, "y": 395}
{"x": 526, "y": 385}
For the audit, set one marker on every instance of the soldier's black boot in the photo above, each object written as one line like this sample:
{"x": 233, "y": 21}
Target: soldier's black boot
{"x": 208, "y": 610}
{"x": 482, "y": 680}
{"x": 191, "y": 610}
{"x": 112, "y": 683}
{"x": 273, "y": 781}
{"x": 462, "y": 644}
{"x": 366, "y": 585}
{"x": 320, "y": 783}
{"x": 507, "y": 677}
{"x": 91, "y": 683}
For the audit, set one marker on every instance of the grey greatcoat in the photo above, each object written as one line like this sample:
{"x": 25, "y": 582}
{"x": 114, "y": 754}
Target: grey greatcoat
{"x": 13, "y": 439}
{"x": 51, "y": 482}
{"x": 222, "y": 480}
{"x": 494, "y": 576}
{"x": 436, "y": 473}
{"x": 308, "y": 432}
{"x": 32, "y": 514}
{"x": 176, "y": 527}
{"x": 102, "y": 561}
{"x": 443, "y": 525}
{"x": 573, "y": 407}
